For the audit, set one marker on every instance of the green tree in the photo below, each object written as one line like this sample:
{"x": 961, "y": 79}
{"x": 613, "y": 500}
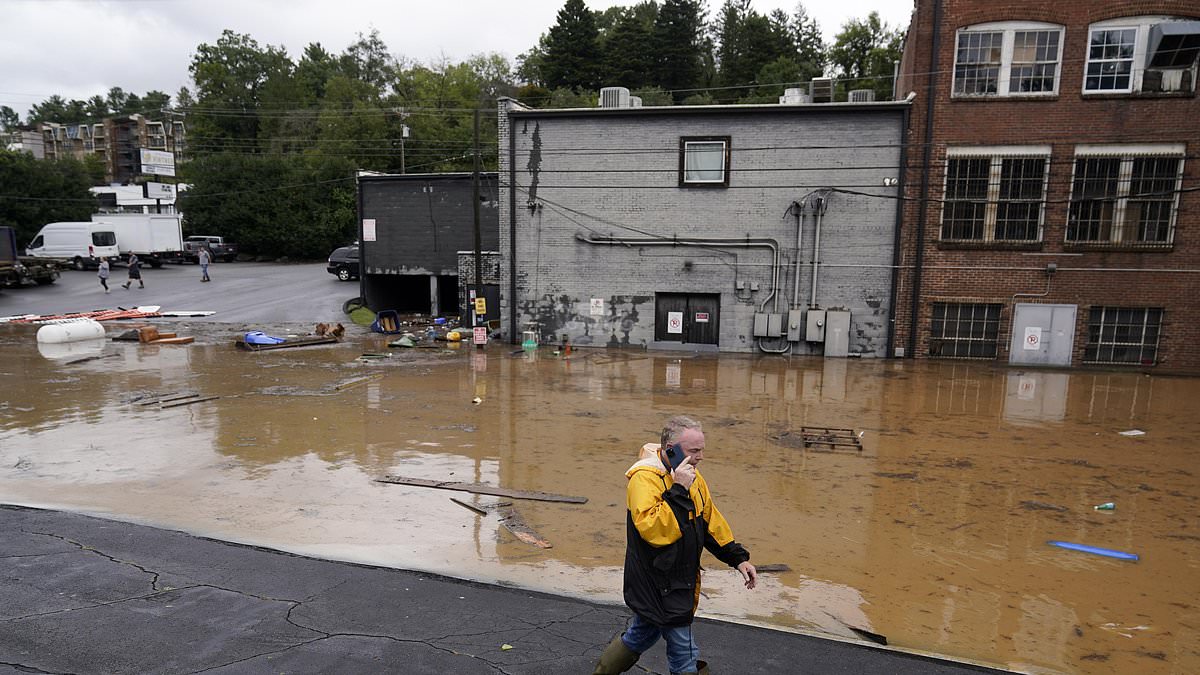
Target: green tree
{"x": 9, "y": 119}
{"x": 628, "y": 54}
{"x": 367, "y": 59}
{"x": 37, "y": 192}
{"x": 572, "y": 54}
{"x": 678, "y": 46}
{"x": 863, "y": 54}
{"x": 229, "y": 77}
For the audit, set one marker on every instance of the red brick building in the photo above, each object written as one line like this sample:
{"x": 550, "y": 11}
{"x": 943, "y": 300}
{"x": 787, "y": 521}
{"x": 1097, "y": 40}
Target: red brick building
{"x": 1052, "y": 183}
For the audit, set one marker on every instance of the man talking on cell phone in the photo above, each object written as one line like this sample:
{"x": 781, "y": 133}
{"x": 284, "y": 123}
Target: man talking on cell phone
{"x": 670, "y": 519}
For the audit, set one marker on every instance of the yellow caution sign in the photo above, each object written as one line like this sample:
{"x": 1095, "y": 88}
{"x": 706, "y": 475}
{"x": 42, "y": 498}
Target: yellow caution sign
{"x": 480, "y": 305}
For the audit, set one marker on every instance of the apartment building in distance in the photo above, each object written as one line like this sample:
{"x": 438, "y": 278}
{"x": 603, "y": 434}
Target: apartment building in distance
{"x": 118, "y": 141}
{"x": 1052, "y": 188}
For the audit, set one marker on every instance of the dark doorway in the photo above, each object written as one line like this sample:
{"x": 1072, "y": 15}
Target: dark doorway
{"x": 689, "y": 318}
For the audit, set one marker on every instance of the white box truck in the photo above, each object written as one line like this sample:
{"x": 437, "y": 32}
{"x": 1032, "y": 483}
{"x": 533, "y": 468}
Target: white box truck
{"x": 83, "y": 244}
{"x": 154, "y": 237}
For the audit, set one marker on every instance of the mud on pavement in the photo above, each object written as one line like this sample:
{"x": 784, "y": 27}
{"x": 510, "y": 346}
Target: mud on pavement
{"x": 933, "y": 534}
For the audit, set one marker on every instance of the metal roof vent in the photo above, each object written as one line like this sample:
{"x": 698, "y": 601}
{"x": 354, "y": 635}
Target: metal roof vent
{"x": 794, "y": 97}
{"x": 862, "y": 95}
{"x": 614, "y": 97}
{"x": 822, "y": 90}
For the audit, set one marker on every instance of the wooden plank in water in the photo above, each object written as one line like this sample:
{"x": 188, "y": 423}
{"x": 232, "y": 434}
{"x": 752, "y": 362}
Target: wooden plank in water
{"x": 773, "y": 568}
{"x": 480, "y": 489}
{"x": 166, "y": 398}
{"x": 190, "y": 401}
{"x": 513, "y": 522}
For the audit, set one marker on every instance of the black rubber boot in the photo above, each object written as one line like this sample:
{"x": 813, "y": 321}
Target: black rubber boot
{"x": 617, "y": 658}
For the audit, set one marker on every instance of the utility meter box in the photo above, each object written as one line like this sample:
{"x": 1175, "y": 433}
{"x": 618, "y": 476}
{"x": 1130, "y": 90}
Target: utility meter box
{"x": 795, "y": 325}
{"x": 760, "y": 325}
{"x": 815, "y": 331}
{"x": 837, "y": 333}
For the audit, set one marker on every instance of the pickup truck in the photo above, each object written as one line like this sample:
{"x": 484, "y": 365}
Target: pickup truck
{"x": 217, "y": 246}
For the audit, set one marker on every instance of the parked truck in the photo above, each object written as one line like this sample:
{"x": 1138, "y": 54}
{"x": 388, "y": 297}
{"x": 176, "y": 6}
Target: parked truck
{"x": 154, "y": 237}
{"x": 217, "y": 246}
{"x": 19, "y": 270}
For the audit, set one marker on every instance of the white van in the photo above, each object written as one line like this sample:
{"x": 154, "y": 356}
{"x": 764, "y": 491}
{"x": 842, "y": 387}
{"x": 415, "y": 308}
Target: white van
{"x": 82, "y": 243}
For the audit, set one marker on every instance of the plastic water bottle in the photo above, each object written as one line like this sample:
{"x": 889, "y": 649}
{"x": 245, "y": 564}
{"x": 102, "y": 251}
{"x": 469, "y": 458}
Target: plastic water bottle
{"x": 1106, "y": 506}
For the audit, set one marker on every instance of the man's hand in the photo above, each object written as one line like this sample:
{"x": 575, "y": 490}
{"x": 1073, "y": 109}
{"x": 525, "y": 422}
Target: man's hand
{"x": 685, "y": 474}
{"x": 749, "y": 574}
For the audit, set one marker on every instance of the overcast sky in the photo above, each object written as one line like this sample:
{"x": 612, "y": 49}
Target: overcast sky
{"x": 80, "y": 48}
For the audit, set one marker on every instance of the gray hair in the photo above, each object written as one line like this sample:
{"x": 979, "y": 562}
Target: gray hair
{"x": 675, "y": 426}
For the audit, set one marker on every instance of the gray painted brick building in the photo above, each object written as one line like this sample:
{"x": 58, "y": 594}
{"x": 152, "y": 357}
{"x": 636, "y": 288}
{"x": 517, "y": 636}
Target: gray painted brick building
{"x": 685, "y": 227}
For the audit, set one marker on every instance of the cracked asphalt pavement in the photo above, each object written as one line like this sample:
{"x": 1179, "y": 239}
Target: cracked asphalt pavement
{"x": 87, "y": 595}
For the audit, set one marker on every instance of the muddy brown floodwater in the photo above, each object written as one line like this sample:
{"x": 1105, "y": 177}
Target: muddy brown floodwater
{"x": 934, "y": 534}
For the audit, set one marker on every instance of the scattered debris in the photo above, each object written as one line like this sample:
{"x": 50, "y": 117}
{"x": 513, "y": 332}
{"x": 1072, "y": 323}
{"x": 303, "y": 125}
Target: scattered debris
{"x": 356, "y": 381}
{"x": 471, "y": 507}
{"x": 778, "y": 567}
{"x": 478, "y": 488}
{"x": 336, "y": 331}
{"x": 1095, "y": 550}
{"x": 1106, "y": 506}
{"x": 820, "y": 437}
{"x": 166, "y": 398}
{"x": 476, "y": 400}
{"x": 1132, "y": 432}
{"x": 242, "y": 343}
{"x": 1030, "y": 505}
{"x": 505, "y": 647}
{"x": 861, "y": 632}
{"x": 89, "y": 358}
{"x": 513, "y": 522}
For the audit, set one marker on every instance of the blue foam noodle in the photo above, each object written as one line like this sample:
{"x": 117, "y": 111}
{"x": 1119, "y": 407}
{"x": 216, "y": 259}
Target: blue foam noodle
{"x": 1096, "y": 550}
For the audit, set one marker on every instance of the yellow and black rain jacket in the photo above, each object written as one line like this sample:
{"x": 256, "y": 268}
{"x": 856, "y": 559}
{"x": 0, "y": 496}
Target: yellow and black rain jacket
{"x": 667, "y": 527}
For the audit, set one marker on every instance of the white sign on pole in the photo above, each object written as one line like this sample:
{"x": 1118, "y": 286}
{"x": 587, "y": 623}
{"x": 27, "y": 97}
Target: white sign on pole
{"x": 368, "y": 229}
{"x": 480, "y": 335}
{"x": 597, "y": 306}
{"x": 157, "y": 162}
{"x": 675, "y": 322}
{"x": 158, "y": 191}
{"x": 1033, "y": 338}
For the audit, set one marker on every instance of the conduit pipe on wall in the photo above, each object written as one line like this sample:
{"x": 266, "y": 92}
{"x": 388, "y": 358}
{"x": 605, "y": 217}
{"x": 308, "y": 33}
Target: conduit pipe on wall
{"x": 798, "y": 211}
{"x": 702, "y": 241}
{"x": 819, "y": 204}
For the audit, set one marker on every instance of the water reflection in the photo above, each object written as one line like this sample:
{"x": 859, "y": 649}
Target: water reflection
{"x": 934, "y": 533}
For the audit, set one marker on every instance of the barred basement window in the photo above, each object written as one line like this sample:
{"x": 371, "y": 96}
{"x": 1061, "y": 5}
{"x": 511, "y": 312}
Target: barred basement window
{"x": 1124, "y": 200}
{"x": 1123, "y": 335}
{"x": 995, "y": 198}
{"x": 964, "y": 330}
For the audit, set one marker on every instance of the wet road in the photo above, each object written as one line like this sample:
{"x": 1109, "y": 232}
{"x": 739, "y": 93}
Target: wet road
{"x": 239, "y": 292}
{"x": 934, "y": 534}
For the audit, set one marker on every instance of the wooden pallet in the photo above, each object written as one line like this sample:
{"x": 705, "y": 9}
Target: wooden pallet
{"x": 826, "y": 438}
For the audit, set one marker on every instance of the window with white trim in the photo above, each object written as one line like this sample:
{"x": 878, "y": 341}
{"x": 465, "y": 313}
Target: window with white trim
{"x": 995, "y": 195}
{"x": 1142, "y": 54}
{"x": 704, "y": 161}
{"x": 1008, "y": 59}
{"x": 1125, "y": 198}
{"x": 1123, "y": 335}
{"x": 964, "y": 330}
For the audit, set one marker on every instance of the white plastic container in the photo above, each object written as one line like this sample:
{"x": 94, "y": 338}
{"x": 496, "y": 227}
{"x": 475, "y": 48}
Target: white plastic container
{"x": 65, "y": 350}
{"x": 70, "y": 331}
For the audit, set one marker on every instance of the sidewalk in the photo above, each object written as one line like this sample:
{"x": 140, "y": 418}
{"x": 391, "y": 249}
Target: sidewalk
{"x": 85, "y": 595}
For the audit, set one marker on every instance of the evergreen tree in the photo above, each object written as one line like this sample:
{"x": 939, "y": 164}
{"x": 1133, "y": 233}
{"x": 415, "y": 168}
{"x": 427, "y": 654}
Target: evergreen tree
{"x": 628, "y": 55}
{"x": 572, "y": 55}
{"x": 863, "y": 54}
{"x": 678, "y": 47}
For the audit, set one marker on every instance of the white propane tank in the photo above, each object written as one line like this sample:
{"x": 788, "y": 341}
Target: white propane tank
{"x": 70, "y": 331}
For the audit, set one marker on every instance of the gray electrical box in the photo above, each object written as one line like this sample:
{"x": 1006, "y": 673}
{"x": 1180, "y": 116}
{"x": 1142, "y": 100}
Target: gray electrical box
{"x": 837, "y": 333}
{"x": 774, "y": 325}
{"x": 815, "y": 330}
{"x": 760, "y": 325}
{"x": 795, "y": 325}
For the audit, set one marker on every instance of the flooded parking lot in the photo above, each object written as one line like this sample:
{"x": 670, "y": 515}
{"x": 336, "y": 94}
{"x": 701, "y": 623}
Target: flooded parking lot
{"x": 934, "y": 534}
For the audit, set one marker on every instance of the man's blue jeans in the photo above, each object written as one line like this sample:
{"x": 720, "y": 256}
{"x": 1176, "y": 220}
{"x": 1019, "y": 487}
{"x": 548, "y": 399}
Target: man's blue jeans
{"x": 682, "y": 651}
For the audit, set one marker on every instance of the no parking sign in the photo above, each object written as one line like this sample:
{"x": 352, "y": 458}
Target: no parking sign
{"x": 1033, "y": 338}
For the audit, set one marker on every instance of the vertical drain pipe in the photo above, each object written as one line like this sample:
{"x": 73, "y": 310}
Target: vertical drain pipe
{"x": 512, "y": 228}
{"x": 923, "y": 203}
{"x": 818, "y": 216}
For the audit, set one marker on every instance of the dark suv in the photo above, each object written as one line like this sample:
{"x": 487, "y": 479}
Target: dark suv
{"x": 343, "y": 262}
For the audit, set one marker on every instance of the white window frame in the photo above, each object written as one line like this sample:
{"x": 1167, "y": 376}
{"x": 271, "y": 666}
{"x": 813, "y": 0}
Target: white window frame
{"x": 996, "y": 154}
{"x": 1127, "y": 154}
{"x": 1141, "y": 60}
{"x": 686, "y": 142}
{"x": 1009, "y": 29}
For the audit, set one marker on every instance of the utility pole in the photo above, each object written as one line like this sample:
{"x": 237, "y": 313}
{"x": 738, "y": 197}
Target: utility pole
{"x": 479, "y": 320}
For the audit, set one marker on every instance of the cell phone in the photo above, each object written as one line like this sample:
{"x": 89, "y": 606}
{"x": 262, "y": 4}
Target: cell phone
{"x": 675, "y": 456}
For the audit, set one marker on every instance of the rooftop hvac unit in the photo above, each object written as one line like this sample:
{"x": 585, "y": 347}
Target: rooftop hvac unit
{"x": 822, "y": 90}
{"x": 862, "y": 95}
{"x": 614, "y": 97}
{"x": 794, "y": 97}
{"x": 635, "y": 101}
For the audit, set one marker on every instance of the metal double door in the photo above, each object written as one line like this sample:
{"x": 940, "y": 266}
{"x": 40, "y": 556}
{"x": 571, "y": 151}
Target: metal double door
{"x": 690, "y": 318}
{"x": 1042, "y": 335}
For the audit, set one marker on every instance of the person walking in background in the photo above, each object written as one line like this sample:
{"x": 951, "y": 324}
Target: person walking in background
{"x": 670, "y": 519}
{"x": 103, "y": 273}
{"x": 135, "y": 272}
{"x": 205, "y": 258}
